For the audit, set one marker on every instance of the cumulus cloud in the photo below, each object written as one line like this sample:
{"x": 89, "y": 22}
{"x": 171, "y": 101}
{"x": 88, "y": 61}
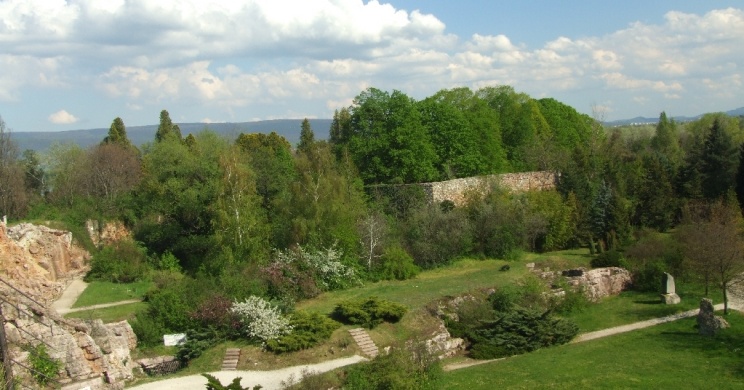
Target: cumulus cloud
{"x": 259, "y": 52}
{"x": 62, "y": 117}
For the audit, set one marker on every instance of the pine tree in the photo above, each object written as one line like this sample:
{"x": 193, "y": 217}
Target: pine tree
{"x": 665, "y": 141}
{"x": 117, "y": 133}
{"x": 720, "y": 161}
{"x": 307, "y": 137}
{"x": 166, "y": 128}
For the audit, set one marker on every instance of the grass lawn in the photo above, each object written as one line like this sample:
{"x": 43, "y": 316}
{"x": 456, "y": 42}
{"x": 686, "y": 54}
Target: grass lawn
{"x": 111, "y": 314}
{"x": 634, "y": 306}
{"x": 106, "y": 292}
{"x": 667, "y": 356}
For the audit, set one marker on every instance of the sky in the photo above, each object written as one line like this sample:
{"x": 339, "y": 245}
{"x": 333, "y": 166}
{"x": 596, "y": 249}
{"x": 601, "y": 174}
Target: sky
{"x": 78, "y": 64}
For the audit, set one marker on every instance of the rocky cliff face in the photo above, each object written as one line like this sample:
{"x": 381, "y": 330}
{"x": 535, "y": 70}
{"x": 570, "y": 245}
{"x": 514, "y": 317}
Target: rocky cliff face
{"x": 39, "y": 260}
{"x": 36, "y": 262}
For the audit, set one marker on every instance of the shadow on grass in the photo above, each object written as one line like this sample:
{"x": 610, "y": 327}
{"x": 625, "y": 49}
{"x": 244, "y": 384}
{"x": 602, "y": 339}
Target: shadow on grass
{"x": 649, "y": 302}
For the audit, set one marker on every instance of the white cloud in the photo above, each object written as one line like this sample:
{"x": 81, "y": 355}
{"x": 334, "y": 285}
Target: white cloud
{"x": 62, "y": 117}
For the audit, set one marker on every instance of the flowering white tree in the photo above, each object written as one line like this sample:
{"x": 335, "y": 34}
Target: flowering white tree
{"x": 331, "y": 272}
{"x": 262, "y": 320}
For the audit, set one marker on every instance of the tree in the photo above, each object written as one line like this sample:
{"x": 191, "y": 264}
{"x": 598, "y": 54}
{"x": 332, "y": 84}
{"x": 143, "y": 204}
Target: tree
{"x": 67, "y": 181}
{"x": 117, "y": 134}
{"x": 712, "y": 241}
{"x": 307, "y": 137}
{"x": 13, "y": 196}
{"x": 666, "y": 140}
{"x": 112, "y": 170}
{"x": 340, "y": 131}
{"x": 720, "y": 160}
{"x": 36, "y": 176}
{"x": 388, "y": 143}
{"x": 166, "y": 128}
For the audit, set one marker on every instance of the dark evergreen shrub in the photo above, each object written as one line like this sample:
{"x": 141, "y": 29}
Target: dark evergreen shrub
{"x": 368, "y": 312}
{"x": 308, "y": 329}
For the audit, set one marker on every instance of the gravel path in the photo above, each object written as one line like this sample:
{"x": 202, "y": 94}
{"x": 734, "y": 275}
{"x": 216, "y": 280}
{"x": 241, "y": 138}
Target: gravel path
{"x": 270, "y": 380}
{"x": 69, "y": 296}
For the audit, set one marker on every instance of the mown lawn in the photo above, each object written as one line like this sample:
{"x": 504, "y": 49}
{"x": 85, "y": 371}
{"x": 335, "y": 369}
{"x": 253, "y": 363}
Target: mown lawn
{"x": 106, "y": 292}
{"x": 668, "y": 356}
{"x": 634, "y": 306}
{"x": 111, "y": 314}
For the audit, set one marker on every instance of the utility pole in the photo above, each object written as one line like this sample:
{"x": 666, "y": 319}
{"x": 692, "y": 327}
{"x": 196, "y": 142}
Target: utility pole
{"x": 7, "y": 369}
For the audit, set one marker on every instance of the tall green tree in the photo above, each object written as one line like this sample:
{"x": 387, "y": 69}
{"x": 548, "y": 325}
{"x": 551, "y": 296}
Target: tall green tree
{"x": 720, "y": 161}
{"x": 307, "y": 136}
{"x": 389, "y": 144}
{"x": 340, "y": 131}
{"x": 117, "y": 134}
{"x": 666, "y": 140}
{"x": 167, "y": 128}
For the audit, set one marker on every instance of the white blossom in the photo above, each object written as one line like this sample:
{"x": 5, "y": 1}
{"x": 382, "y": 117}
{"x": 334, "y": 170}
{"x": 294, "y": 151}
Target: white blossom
{"x": 262, "y": 320}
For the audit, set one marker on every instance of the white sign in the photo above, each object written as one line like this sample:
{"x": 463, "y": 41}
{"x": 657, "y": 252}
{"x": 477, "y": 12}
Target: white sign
{"x": 174, "y": 339}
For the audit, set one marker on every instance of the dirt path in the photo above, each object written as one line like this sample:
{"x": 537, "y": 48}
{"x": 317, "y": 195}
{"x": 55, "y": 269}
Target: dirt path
{"x": 269, "y": 380}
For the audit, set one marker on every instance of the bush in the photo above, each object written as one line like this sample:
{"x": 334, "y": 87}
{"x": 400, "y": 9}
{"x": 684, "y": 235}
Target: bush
{"x": 43, "y": 368}
{"x": 307, "y": 331}
{"x": 122, "y": 262}
{"x": 611, "y": 258}
{"x": 214, "y": 313}
{"x": 196, "y": 343}
{"x": 260, "y": 319}
{"x": 519, "y": 331}
{"x": 397, "y": 265}
{"x": 434, "y": 237}
{"x": 149, "y": 332}
{"x": 413, "y": 368}
{"x": 369, "y": 312}
{"x": 215, "y": 384}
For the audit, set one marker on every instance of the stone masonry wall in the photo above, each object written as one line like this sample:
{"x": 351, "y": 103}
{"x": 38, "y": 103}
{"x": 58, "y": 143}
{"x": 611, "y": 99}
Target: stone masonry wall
{"x": 457, "y": 190}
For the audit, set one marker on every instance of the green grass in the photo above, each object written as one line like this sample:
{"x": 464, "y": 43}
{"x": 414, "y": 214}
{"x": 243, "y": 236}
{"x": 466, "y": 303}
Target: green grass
{"x": 455, "y": 279}
{"x": 111, "y": 314}
{"x": 668, "y": 356}
{"x": 634, "y": 306}
{"x": 106, "y": 292}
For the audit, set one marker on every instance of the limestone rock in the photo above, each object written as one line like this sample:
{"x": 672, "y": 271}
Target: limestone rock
{"x": 107, "y": 234}
{"x": 443, "y": 344}
{"x": 600, "y": 282}
{"x": 709, "y": 323}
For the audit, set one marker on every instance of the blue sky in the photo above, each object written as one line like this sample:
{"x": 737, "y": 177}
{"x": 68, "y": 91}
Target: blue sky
{"x": 80, "y": 63}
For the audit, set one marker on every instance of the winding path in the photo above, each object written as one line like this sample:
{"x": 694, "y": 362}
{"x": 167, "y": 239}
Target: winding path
{"x": 63, "y": 304}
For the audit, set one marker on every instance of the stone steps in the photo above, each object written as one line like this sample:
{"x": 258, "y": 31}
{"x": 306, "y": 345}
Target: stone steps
{"x": 230, "y": 362}
{"x": 365, "y": 343}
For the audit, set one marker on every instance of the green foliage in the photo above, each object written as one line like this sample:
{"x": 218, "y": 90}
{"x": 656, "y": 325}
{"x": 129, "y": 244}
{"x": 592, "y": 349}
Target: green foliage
{"x": 401, "y": 369}
{"x": 215, "y": 384}
{"x": 497, "y": 225}
{"x": 388, "y": 143}
{"x": 611, "y": 258}
{"x": 435, "y": 237}
{"x": 368, "y": 312}
{"x": 167, "y": 129}
{"x": 123, "y": 262}
{"x": 308, "y": 329}
{"x": 397, "y": 264}
{"x": 44, "y": 369}
{"x": 196, "y": 343}
{"x": 720, "y": 160}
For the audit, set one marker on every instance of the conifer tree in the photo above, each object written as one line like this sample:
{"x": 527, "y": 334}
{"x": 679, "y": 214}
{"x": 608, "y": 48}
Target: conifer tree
{"x": 166, "y": 128}
{"x": 720, "y": 161}
{"x": 117, "y": 133}
{"x": 307, "y": 137}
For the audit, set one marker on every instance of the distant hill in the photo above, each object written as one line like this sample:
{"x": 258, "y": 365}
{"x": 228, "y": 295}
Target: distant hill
{"x": 639, "y": 120}
{"x": 139, "y": 135}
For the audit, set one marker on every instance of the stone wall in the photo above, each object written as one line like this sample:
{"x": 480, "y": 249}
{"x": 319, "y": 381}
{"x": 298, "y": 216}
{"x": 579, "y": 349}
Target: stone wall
{"x": 457, "y": 190}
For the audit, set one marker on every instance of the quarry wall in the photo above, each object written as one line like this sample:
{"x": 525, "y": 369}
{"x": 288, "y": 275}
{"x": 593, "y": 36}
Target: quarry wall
{"x": 457, "y": 190}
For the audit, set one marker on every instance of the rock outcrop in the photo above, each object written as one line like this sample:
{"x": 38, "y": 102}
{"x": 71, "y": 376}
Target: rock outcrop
{"x": 90, "y": 351}
{"x": 35, "y": 264}
{"x": 40, "y": 260}
{"x": 708, "y": 322}
{"x": 108, "y": 233}
{"x": 599, "y": 282}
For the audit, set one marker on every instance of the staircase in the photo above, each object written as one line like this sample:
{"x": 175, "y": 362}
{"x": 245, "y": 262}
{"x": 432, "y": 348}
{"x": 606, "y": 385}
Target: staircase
{"x": 230, "y": 363}
{"x": 361, "y": 337}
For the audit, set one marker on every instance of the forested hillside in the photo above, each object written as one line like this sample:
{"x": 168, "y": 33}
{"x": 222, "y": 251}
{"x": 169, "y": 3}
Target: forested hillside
{"x": 217, "y": 220}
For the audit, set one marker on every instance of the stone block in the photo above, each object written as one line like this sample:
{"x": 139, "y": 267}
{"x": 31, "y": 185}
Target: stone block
{"x": 670, "y": 299}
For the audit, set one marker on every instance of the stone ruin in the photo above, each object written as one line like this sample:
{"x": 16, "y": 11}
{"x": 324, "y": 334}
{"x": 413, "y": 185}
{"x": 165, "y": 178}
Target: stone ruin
{"x": 596, "y": 283}
{"x": 707, "y": 321}
{"x": 668, "y": 290}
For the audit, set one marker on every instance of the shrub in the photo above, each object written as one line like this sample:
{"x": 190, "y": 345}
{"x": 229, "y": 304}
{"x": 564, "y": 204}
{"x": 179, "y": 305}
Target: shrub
{"x": 397, "y": 264}
{"x": 434, "y": 237}
{"x": 43, "y": 368}
{"x": 260, "y": 319}
{"x": 369, "y": 312}
{"x": 307, "y": 331}
{"x": 215, "y": 384}
{"x": 122, "y": 262}
{"x": 519, "y": 331}
{"x": 611, "y": 258}
{"x": 215, "y": 313}
{"x": 149, "y": 332}
{"x": 411, "y": 368}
